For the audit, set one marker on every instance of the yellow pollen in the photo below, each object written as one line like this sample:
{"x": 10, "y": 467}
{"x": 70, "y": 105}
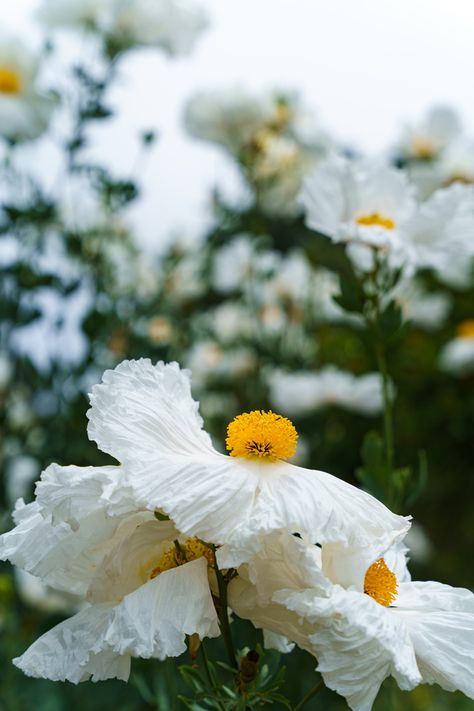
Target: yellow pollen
{"x": 10, "y": 81}
{"x": 261, "y": 435}
{"x": 181, "y": 553}
{"x": 466, "y": 329}
{"x": 422, "y": 148}
{"x": 380, "y": 583}
{"x": 376, "y": 220}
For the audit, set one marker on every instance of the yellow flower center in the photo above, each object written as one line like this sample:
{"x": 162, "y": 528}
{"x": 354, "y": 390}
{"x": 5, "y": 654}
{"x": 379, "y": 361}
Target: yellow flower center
{"x": 466, "y": 329}
{"x": 422, "y": 148}
{"x": 10, "y": 81}
{"x": 261, "y": 435}
{"x": 181, "y": 553}
{"x": 380, "y": 583}
{"x": 376, "y": 220}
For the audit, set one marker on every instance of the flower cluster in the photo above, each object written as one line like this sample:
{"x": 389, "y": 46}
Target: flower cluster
{"x": 152, "y": 543}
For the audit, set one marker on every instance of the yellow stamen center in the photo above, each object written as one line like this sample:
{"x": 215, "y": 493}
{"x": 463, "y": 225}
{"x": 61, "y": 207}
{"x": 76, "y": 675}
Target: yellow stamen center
{"x": 376, "y": 220}
{"x": 181, "y": 553}
{"x": 466, "y": 329}
{"x": 422, "y": 148}
{"x": 10, "y": 81}
{"x": 261, "y": 435}
{"x": 380, "y": 583}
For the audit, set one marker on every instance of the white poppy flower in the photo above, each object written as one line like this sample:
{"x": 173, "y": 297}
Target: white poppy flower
{"x": 300, "y": 393}
{"x": 172, "y": 25}
{"x": 144, "y": 416}
{"x": 456, "y": 163}
{"x": 425, "y": 309}
{"x": 426, "y": 139}
{"x": 24, "y": 112}
{"x": 371, "y": 205}
{"x": 457, "y": 356}
{"x": 360, "y": 615}
{"x": 145, "y": 586}
{"x": 72, "y": 14}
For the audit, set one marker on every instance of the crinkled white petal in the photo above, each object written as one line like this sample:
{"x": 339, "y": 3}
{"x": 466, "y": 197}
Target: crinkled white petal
{"x": 278, "y": 623}
{"x": 440, "y": 622}
{"x": 71, "y": 493}
{"x": 153, "y": 621}
{"x": 141, "y": 408}
{"x": 315, "y": 504}
{"x": 72, "y": 651}
{"x": 132, "y": 555}
{"x": 63, "y": 557}
{"x": 359, "y": 643}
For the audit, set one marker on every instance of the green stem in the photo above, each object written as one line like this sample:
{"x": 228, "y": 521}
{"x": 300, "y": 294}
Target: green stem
{"x": 224, "y": 617}
{"x": 311, "y": 693}
{"x": 387, "y": 407}
{"x": 208, "y": 674}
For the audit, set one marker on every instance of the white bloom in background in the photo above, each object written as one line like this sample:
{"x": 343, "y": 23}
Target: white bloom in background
{"x": 143, "y": 585}
{"x": 428, "y": 310}
{"x": 358, "y": 612}
{"x": 236, "y": 262}
{"x": 300, "y": 393}
{"x": 230, "y": 117}
{"x": 351, "y": 201}
{"x": 185, "y": 279}
{"x": 231, "y": 321}
{"x": 24, "y": 112}
{"x": 457, "y": 356}
{"x": 456, "y": 163}
{"x": 425, "y": 140}
{"x": 440, "y": 233}
{"x": 145, "y": 417}
{"x": 20, "y": 473}
{"x": 372, "y": 206}
{"x": 72, "y": 14}
{"x": 210, "y": 362}
{"x": 173, "y": 25}
{"x": 36, "y": 594}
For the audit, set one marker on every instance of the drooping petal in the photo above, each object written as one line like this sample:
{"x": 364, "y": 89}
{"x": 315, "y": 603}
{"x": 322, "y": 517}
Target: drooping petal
{"x": 358, "y": 644}
{"x": 64, "y": 558}
{"x": 154, "y": 620}
{"x": 73, "y": 651}
{"x": 315, "y": 504}
{"x": 440, "y": 622}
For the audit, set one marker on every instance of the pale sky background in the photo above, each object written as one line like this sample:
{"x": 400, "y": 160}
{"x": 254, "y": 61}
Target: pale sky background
{"x": 365, "y": 66}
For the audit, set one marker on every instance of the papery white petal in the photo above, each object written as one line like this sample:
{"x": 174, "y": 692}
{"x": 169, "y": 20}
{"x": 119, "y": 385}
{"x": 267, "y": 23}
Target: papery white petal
{"x": 358, "y": 645}
{"x": 318, "y": 505}
{"x": 71, "y": 493}
{"x": 72, "y": 651}
{"x": 140, "y": 408}
{"x": 440, "y": 621}
{"x": 275, "y": 620}
{"x": 153, "y": 621}
{"x": 131, "y": 557}
{"x": 62, "y": 557}
{"x": 272, "y": 640}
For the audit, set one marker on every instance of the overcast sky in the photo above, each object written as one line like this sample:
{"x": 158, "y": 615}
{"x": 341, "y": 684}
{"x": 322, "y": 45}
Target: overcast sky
{"x": 365, "y": 66}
